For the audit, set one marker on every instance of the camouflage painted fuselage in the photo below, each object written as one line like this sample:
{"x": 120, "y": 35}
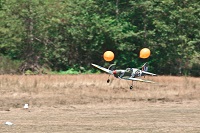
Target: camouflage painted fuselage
{"x": 129, "y": 72}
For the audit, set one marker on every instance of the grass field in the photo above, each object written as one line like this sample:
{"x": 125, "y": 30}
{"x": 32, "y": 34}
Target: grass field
{"x": 86, "y": 103}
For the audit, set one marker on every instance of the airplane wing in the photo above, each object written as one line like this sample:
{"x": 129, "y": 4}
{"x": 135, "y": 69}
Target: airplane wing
{"x": 103, "y": 69}
{"x": 137, "y": 79}
{"x": 144, "y": 72}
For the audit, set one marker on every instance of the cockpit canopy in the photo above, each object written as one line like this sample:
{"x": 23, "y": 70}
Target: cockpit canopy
{"x": 129, "y": 69}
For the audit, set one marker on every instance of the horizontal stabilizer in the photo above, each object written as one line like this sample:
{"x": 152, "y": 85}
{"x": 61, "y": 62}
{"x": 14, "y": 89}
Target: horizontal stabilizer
{"x": 148, "y": 73}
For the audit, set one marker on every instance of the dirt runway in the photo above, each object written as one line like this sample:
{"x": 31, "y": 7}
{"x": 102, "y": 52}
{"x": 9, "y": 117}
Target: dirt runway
{"x": 136, "y": 117}
{"x": 87, "y": 104}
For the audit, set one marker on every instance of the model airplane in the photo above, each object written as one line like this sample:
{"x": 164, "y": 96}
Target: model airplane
{"x": 127, "y": 74}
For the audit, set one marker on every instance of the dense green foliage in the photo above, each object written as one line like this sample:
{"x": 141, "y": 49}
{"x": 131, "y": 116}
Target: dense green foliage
{"x": 71, "y": 34}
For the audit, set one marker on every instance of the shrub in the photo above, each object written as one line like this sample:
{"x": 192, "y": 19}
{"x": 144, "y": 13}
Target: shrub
{"x": 8, "y": 66}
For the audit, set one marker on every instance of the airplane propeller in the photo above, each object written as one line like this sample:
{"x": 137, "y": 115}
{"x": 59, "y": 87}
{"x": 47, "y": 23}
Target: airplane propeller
{"x": 112, "y": 68}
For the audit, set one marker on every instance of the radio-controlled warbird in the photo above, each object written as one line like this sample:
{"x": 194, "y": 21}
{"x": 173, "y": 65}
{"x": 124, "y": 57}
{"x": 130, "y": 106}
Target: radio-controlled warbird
{"x": 127, "y": 74}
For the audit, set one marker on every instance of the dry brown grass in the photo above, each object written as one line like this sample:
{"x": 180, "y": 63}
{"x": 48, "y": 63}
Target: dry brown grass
{"x": 51, "y": 90}
{"x": 86, "y": 103}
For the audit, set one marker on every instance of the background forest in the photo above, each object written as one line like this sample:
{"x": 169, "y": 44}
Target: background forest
{"x": 61, "y": 35}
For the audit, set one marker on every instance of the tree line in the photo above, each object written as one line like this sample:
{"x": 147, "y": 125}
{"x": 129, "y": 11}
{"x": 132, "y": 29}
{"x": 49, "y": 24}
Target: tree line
{"x": 64, "y": 34}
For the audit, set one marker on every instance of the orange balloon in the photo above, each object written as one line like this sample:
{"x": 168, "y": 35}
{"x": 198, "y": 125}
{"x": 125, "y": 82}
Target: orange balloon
{"x": 108, "y": 56}
{"x": 145, "y": 53}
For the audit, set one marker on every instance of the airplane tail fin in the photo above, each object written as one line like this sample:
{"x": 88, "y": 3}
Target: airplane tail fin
{"x": 145, "y": 67}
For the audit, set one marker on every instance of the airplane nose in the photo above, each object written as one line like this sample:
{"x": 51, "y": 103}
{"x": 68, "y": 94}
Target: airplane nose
{"x": 114, "y": 72}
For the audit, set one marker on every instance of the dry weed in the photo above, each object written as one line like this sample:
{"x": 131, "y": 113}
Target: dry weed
{"x": 50, "y": 90}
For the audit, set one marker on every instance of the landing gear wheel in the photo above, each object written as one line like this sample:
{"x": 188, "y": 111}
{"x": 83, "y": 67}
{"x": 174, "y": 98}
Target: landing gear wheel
{"x": 108, "y": 80}
{"x": 131, "y": 87}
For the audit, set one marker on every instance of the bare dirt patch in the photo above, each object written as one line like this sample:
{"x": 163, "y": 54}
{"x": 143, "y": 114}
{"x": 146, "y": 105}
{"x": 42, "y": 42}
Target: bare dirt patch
{"x": 130, "y": 117}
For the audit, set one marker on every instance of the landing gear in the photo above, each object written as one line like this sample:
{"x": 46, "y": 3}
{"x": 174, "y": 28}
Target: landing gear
{"x": 111, "y": 67}
{"x": 131, "y": 87}
{"x": 108, "y": 81}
